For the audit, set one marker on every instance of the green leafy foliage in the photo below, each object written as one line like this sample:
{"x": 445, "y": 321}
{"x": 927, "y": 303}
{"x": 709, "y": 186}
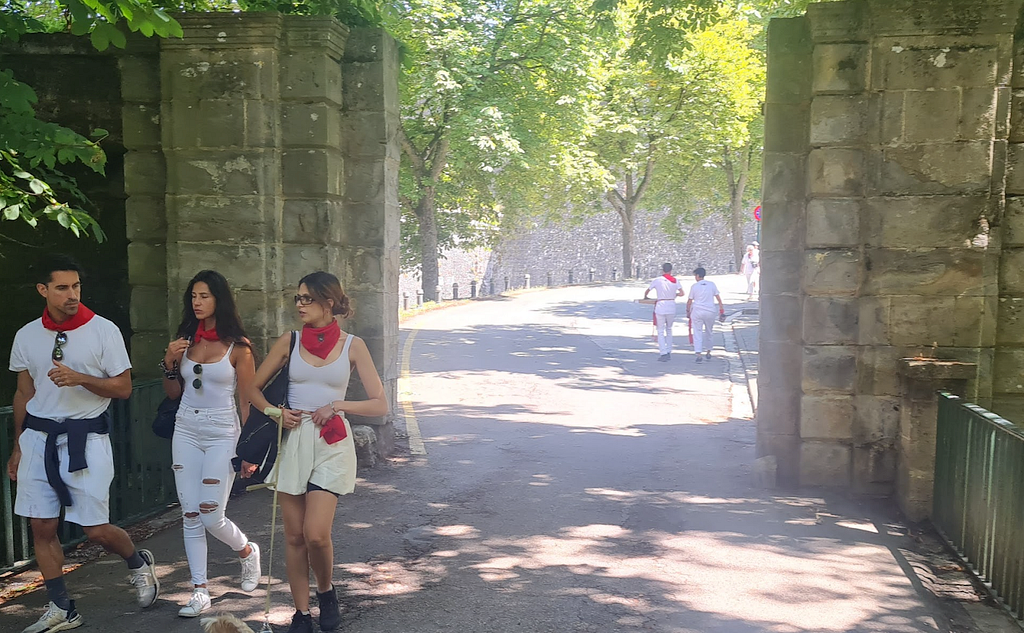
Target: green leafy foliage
{"x": 32, "y": 185}
{"x": 489, "y": 114}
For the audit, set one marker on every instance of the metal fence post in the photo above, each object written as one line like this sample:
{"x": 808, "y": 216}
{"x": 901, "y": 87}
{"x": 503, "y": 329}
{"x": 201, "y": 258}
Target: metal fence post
{"x": 472, "y": 289}
{"x": 419, "y": 298}
{"x": 615, "y": 273}
{"x": 527, "y": 279}
{"x": 550, "y": 280}
{"x": 638, "y": 271}
{"x": 506, "y": 283}
{"x": 571, "y": 281}
{"x": 437, "y": 292}
{"x": 590, "y": 275}
{"x": 405, "y": 300}
{"x": 455, "y": 291}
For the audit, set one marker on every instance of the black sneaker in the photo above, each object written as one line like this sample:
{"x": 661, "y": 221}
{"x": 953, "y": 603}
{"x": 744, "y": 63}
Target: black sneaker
{"x": 301, "y": 623}
{"x": 700, "y": 359}
{"x": 330, "y": 615}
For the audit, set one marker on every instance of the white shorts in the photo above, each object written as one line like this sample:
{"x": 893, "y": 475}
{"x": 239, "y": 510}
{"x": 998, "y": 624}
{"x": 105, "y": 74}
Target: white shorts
{"x": 89, "y": 487}
{"x": 305, "y": 458}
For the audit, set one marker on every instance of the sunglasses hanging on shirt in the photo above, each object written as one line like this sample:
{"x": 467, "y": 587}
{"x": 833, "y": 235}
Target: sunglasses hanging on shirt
{"x": 59, "y": 342}
{"x": 198, "y": 370}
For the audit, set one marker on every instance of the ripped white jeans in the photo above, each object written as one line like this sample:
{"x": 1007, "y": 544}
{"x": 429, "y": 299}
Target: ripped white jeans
{"x": 201, "y": 451}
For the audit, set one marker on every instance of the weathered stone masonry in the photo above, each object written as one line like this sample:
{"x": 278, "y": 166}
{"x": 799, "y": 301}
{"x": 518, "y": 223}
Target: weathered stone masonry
{"x": 894, "y": 220}
{"x": 262, "y": 146}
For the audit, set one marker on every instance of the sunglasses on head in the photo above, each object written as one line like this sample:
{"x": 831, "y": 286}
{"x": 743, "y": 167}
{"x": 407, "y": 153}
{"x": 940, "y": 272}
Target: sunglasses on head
{"x": 59, "y": 342}
{"x": 304, "y": 300}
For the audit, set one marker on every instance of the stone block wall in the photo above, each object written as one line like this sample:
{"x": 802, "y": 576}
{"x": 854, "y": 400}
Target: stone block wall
{"x": 262, "y": 146}
{"x": 888, "y": 184}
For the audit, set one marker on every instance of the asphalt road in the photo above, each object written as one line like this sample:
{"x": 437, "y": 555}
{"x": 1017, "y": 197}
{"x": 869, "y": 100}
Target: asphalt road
{"x": 571, "y": 483}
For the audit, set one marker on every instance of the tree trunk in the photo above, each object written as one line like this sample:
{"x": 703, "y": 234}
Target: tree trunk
{"x": 628, "y": 262}
{"x": 427, "y": 214}
{"x": 736, "y": 224}
{"x": 738, "y": 175}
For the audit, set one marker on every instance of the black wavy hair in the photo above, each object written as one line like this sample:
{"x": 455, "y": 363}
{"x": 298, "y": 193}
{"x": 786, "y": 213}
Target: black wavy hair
{"x": 229, "y": 324}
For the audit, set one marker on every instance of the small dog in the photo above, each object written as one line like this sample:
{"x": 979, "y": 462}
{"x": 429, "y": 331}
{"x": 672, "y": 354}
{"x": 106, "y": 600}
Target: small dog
{"x": 224, "y": 624}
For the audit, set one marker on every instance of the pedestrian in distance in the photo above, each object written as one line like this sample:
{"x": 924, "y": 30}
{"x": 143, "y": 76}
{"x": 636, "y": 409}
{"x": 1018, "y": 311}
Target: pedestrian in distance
{"x": 316, "y": 462}
{"x": 70, "y": 363}
{"x": 751, "y": 268}
{"x": 700, "y": 308}
{"x": 666, "y": 289}
{"x": 209, "y": 366}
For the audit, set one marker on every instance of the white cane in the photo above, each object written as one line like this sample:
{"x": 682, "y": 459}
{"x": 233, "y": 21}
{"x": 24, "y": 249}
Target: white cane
{"x": 276, "y": 414}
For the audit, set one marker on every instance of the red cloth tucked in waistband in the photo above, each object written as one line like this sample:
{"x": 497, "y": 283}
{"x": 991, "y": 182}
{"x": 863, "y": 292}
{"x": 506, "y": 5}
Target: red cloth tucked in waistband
{"x": 334, "y": 430}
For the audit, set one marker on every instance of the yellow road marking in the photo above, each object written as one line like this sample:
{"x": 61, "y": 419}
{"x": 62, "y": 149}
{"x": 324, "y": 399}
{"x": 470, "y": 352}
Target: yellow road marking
{"x": 405, "y": 396}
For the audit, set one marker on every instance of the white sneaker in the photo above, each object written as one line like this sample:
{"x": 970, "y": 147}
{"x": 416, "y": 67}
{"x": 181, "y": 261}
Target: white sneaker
{"x": 144, "y": 579}
{"x": 56, "y": 619}
{"x": 199, "y": 602}
{"x": 251, "y": 568}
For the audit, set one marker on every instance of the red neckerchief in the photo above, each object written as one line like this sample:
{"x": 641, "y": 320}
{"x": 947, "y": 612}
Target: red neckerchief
{"x": 334, "y": 430}
{"x": 202, "y": 332}
{"x": 77, "y": 320}
{"x": 319, "y": 341}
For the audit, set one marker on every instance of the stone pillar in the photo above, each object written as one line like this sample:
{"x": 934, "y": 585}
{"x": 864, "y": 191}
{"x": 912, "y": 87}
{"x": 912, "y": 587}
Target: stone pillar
{"x": 786, "y": 144}
{"x": 370, "y": 235}
{"x": 312, "y": 165}
{"x": 220, "y": 113}
{"x": 920, "y": 380}
{"x": 145, "y": 179}
{"x": 899, "y": 233}
{"x": 1007, "y": 389}
{"x": 831, "y": 257}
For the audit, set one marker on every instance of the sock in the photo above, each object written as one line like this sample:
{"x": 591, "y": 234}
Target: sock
{"x": 329, "y": 589}
{"x": 304, "y": 612}
{"x": 135, "y": 561}
{"x": 58, "y": 592}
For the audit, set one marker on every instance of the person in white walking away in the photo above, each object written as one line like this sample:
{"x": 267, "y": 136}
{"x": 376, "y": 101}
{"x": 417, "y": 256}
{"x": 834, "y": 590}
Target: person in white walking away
{"x": 666, "y": 289}
{"x": 700, "y": 308}
{"x": 752, "y": 269}
{"x": 70, "y": 364}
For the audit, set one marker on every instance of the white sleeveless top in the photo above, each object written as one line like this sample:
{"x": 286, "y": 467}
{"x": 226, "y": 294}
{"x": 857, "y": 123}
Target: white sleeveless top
{"x": 219, "y": 382}
{"x": 309, "y": 387}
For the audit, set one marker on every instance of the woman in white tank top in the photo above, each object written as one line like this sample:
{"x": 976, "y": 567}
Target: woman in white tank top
{"x": 316, "y": 461}
{"x": 207, "y": 366}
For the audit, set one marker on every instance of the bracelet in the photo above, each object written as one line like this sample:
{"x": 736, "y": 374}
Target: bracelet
{"x": 169, "y": 373}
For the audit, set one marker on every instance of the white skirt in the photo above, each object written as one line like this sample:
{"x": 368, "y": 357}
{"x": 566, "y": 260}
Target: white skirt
{"x": 306, "y": 458}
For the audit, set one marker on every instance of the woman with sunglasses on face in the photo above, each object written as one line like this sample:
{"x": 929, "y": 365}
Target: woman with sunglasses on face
{"x": 316, "y": 462}
{"x": 208, "y": 366}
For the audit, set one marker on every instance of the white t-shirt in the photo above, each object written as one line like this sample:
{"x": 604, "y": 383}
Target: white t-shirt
{"x": 665, "y": 292}
{"x": 703, "y": 295}
{"x": 96, "y": 349}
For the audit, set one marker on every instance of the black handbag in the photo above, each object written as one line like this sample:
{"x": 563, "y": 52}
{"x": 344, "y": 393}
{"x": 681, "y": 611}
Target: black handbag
{"x": 163, "y": 423}
{"x": 258, "y": 442}
{"x": 166, "y": 413}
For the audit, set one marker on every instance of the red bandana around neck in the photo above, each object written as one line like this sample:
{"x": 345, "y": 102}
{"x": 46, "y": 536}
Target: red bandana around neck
{"x": 77, "y": 320}
{"x": 319, "y": 341}
{"x": 202, "y": 332}
{"x": 669, "y": 277}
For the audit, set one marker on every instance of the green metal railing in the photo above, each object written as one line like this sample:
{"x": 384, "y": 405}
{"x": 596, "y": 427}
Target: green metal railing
{"x": 979, "y": 495}
{"x": 143, "y": 480}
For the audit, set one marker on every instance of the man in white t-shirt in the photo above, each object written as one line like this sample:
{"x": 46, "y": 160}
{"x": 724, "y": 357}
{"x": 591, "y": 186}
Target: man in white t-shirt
{"x": 701, "y": 310}
{"x": 70, "y": 364}
{"x": 666, "y": 289}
